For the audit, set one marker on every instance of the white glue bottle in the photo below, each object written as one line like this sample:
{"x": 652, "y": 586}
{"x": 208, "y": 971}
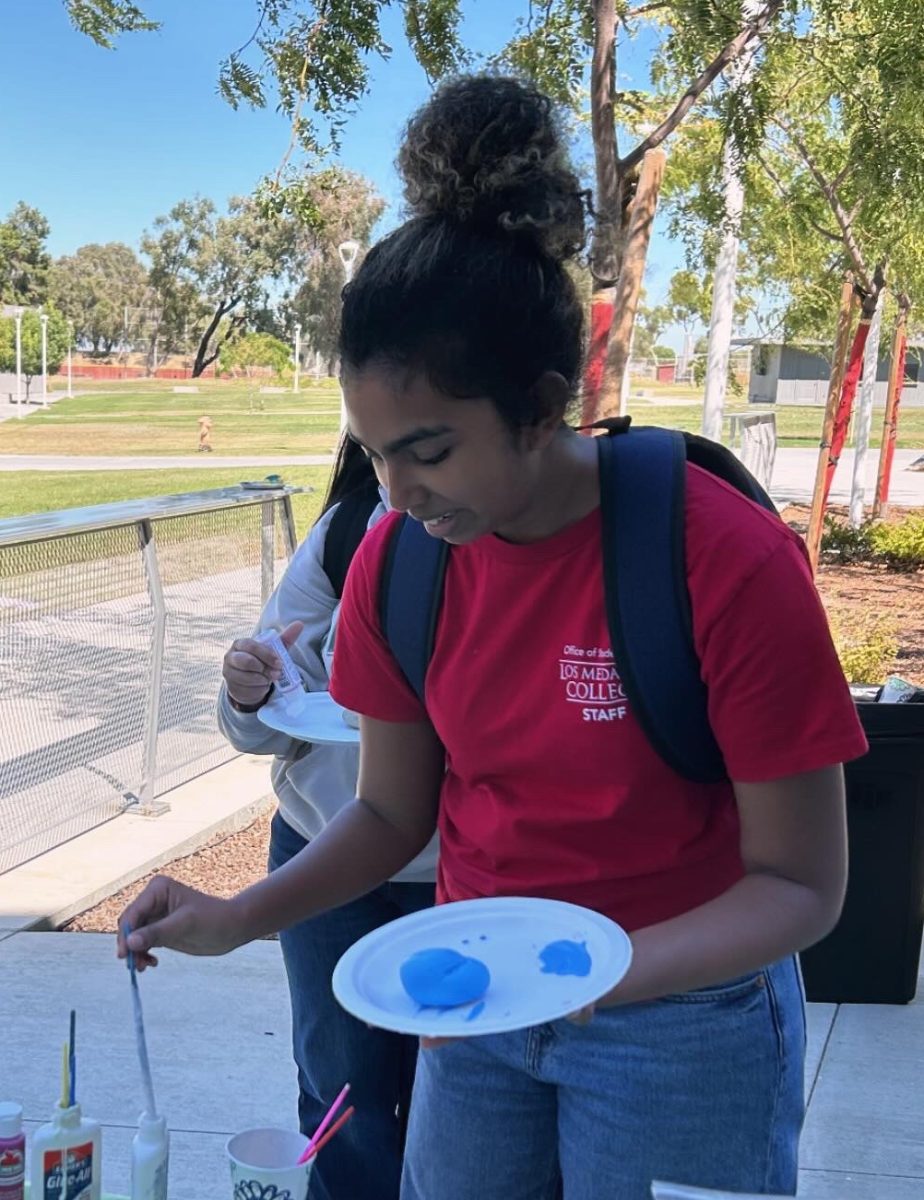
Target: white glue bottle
{"x": 150, "y": 1155}
{"x": 67, "y": 1161}
{"x": 67, "y": 1157}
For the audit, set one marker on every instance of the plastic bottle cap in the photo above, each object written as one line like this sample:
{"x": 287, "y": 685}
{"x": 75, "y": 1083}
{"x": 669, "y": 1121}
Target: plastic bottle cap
{"x": 152, "y": 1128}
{"x": 10, "y": 1119}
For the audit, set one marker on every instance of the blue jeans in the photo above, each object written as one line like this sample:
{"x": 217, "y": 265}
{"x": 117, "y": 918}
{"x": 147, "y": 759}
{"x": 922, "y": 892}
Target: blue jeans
{"x": 704, "y": 1088}
{"x": 331, "y": 1048}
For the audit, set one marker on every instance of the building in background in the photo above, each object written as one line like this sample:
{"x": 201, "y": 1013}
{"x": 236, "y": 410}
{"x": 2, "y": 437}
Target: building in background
{"x": 798, "y": 374}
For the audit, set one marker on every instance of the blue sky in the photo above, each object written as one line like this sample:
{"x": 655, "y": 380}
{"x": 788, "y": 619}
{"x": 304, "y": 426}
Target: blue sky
{"x": 103, "y": 141}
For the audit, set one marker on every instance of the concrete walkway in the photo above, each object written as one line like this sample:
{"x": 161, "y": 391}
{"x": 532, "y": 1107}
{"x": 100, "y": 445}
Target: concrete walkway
{"x": 219, "y": 1042}
{"x": 793, "y": 476}
{"x": 9, "y": 405}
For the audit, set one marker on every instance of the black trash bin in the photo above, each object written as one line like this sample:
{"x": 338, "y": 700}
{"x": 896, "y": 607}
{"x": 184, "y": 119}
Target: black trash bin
{"x": 872, "y": 955}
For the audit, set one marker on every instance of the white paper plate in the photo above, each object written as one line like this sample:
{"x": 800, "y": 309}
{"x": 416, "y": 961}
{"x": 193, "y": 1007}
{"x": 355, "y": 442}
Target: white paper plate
{"x": 507, "y": 934}
{"x": 319, "y": 719}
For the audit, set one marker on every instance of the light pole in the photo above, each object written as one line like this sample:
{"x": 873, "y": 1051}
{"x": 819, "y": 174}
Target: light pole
{"x": 70, "y": 342}
{"x": 43, "y": 317}
{"x": 347, "y": 251}
{"x": 298, "y": 354}
{"x": 17, "y": 317}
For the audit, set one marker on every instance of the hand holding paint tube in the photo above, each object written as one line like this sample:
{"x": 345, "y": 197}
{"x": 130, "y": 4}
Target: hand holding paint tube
{"x": 288, "y": 686}
{"x": 255, "y": 668}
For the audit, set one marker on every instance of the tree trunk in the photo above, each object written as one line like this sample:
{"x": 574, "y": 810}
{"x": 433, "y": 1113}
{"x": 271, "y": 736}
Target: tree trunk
{"x": 838, "y": 362}
{"x": 724, "y": 290}
{"x": 841, "y": 392}
{"x": 615, "y": 193}
{"x": 152, "y": 350}
{"x": 629, "y": 287}
{"x": 721, "y": 323}
{"x": 607, "y": 231}
{"x": 890, "y": 420}
{"x": 203, "y": 359}
{"x": 865, "y": 415}
{"x": 848, "y": 395}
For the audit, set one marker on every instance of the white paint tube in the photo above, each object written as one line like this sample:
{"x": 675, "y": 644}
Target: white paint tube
{"x": 290, "y": 684}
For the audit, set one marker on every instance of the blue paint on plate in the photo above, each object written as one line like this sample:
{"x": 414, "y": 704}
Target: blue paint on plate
{"x": 444, "y": 978}
{"x": 565, "y": 958}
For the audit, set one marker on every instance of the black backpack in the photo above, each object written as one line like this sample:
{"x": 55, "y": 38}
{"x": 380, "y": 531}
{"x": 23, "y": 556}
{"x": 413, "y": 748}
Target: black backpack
{"x": 346, "y": 530}
{"x": 642, "y": 483}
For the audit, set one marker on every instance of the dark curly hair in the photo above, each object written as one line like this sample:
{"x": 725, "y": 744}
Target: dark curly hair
{"x": 472, "y": 290}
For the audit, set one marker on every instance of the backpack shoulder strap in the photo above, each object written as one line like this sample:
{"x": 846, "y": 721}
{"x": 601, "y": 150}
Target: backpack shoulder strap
{"x": 410, "y": 596}
{"x": 642, "y": 491}
{"x": 720, "y": 461}
{"x": 344, "y": 533}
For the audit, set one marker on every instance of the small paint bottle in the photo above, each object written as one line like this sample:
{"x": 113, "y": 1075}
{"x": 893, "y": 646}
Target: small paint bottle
{"x": 150, "y": 1156}
{"x": 12, "y": 1152}
{"x": 67, "y": 1157}
{"x": 289, "y": 687}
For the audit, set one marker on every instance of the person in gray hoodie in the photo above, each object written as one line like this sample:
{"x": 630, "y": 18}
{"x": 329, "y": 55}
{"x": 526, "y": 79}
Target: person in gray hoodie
{"x": 312, "y": 783}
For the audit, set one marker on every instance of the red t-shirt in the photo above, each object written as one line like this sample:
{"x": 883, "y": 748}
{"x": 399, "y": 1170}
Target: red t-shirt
{"x": 551, "y": 788}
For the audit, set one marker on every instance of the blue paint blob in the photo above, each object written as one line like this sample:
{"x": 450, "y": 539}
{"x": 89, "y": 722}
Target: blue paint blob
{"x": 476, "y": 1011}
{"x": 442, "y": 978}
{"x": 565, "y": 958}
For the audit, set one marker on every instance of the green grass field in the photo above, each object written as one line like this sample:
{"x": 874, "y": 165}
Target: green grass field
{"x": 44, "y": 491}
{"x": 152, "y": 420}
{"x": 148, "y": 419}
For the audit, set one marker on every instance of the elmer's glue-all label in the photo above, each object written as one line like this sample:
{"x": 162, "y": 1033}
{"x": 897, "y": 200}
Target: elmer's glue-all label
{"x": 12, "y": 1152}
{"x": 79, "y": 1173}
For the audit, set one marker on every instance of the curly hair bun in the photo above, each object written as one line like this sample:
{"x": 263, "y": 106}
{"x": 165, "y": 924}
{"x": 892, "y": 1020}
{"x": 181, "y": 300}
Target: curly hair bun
{"x": 487, "y": 151}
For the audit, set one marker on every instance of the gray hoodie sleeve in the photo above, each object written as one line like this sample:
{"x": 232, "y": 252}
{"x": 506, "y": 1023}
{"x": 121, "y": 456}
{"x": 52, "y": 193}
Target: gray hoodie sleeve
{"x": 304, "y": 594}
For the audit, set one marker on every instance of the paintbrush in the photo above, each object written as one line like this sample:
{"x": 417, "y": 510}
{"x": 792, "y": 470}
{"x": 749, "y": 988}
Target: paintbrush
{"x": 147, "y": 1081}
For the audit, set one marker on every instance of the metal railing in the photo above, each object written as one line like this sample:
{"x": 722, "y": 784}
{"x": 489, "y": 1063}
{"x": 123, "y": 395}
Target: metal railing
{"x": 752, "y": 436}
{"x": 113, "y": 624}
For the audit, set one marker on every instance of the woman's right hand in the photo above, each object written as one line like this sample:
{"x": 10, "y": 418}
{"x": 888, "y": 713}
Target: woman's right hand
{"x": 171, "y": 914}
{"x": 250, "y": 668}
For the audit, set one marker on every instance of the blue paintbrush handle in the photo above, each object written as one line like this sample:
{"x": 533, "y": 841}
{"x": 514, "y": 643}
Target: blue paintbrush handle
{"x": 147, "y": 1080}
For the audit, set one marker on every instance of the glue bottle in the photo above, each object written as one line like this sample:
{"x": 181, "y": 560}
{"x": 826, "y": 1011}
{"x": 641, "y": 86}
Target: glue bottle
{"x": 150, "y": 1154}
{"x": 67, "y": 1159}
{"x": 67, "y": 1151}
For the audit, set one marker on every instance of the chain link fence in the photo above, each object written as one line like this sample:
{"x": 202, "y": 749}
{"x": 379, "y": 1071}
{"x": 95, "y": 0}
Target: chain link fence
{"x": 113, "y": 624}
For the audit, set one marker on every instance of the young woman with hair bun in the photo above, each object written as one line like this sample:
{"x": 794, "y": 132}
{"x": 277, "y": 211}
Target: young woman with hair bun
{"x": 461, "y": 347}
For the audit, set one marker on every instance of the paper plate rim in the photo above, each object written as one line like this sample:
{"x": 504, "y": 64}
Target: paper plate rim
{"x": 348, "y": 737}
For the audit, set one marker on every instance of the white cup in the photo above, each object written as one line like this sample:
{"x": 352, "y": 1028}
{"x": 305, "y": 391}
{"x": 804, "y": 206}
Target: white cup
{"x": 264, "y": 1165}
